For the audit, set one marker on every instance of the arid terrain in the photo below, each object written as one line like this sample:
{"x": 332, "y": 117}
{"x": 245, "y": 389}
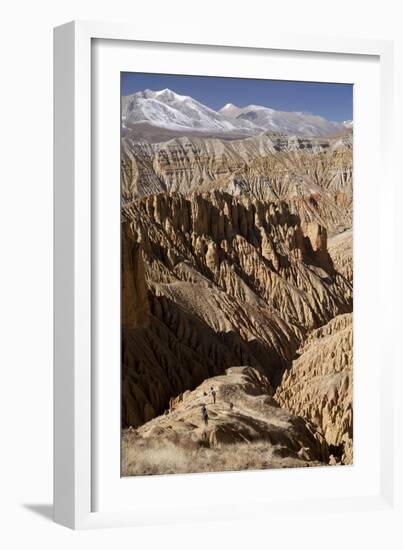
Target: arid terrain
{"x": 237, "y": 295}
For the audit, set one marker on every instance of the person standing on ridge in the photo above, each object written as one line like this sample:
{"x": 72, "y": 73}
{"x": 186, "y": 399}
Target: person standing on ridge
{"x": 213, "y": 393}
{"x": 204, "y": 414}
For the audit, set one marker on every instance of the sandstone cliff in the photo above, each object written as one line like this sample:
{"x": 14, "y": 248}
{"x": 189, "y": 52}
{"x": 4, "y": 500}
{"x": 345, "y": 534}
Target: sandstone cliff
{"x": 318, "y": 385}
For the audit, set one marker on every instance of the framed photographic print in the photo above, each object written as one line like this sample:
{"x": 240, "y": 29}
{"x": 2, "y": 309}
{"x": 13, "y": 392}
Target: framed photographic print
{"x": 215, "y": 205}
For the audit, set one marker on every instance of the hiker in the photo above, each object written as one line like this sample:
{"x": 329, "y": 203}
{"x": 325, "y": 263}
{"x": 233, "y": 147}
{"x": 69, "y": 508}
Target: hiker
{"x": 204, "y": 414}
{"x": 231, "y": 405}
{"x": 213, "y": 394}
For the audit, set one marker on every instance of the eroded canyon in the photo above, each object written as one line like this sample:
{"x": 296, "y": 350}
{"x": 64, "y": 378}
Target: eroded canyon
{"x": 236, "y": 275}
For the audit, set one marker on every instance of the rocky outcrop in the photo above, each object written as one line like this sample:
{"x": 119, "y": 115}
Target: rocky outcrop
{"x": 341, "y": 252}
{"x": 242, "y": 428}
{"x": 313, "y": 176}
{"x": 135, "y": 306}
{"x": 319, "y": 385}
{"x": 228, "y": 280}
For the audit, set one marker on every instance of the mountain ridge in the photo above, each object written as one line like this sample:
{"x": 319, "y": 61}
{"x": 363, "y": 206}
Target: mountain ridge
{"x": 167, "y": 110}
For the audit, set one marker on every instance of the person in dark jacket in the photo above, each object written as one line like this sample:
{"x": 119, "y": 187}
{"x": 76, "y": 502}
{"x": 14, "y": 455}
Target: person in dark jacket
{"x": 204, "y": 414}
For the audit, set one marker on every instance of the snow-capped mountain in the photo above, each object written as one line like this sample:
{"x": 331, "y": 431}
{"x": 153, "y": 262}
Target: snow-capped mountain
{"x": 170, "y": 112}
{"x": 267, "y": 119}
{"x": 167, "y": 109}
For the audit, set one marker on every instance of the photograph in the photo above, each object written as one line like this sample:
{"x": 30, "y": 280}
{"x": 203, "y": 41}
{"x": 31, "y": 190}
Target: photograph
{"x": 236, "y": 274}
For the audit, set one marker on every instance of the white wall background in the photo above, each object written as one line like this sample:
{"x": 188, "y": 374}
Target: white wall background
{"x": 26, "y": 262}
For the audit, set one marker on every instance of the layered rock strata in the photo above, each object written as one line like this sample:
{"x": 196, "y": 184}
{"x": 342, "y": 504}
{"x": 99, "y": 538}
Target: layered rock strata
{"x": 313, "y": 176}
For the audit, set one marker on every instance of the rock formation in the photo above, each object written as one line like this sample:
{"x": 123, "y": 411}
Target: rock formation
{"x": 314, "y": 176}
{"x": 237, "y": 252}
{"x": 220, "y": 280}
{"x": 319, "y": 384}
{"x": 243, "y": 429}
{"x": 341, "y": 252}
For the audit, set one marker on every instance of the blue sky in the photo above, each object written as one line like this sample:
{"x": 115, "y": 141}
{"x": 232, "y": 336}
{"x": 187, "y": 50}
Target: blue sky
{"x": 333, "y": 101}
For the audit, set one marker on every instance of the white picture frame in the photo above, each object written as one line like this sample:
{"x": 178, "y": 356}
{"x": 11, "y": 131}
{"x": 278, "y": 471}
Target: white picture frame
{"x": 81, "y": 487}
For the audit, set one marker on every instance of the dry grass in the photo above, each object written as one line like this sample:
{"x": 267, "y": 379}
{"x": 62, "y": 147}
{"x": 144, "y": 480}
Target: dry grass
{"x": 146, "y": 457}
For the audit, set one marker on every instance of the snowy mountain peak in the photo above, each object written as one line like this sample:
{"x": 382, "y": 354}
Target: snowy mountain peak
{"x": 167, "y": 94}
{"x": 228, "y": 106}
{"x": 257, "y": 108}
{"x": 180, "y": 113}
